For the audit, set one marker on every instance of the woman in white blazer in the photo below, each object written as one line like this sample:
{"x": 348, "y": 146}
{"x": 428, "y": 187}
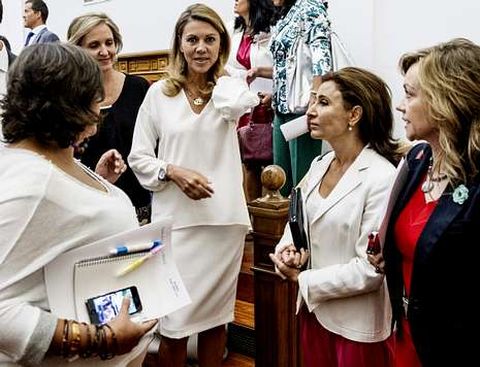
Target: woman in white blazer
{"x": 343, "y": 302}
{"x": 250, "y": 59}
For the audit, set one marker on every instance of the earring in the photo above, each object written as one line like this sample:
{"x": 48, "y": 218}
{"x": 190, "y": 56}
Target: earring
{"x": 350, "y": 128}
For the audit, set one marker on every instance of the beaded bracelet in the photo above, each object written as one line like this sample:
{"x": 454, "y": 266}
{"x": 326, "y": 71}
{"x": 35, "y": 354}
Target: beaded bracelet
{"x": 114, "y": 340}
{"x": 87, "y": 352}
{"x": 97, "y": 342}
{"x": 103, "y": 351}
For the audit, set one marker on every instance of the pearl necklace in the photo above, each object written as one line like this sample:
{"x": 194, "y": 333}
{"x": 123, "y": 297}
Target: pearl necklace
{"x": 430, "y": 181}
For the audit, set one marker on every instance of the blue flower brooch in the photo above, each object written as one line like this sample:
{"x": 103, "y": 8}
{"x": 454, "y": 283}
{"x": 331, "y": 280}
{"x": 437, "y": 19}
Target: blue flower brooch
{"x": 460, "y": 194}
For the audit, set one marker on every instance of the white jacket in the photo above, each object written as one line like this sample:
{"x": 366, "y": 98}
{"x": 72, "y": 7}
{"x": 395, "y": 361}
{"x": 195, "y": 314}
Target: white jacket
{"x": 340, "y": 286}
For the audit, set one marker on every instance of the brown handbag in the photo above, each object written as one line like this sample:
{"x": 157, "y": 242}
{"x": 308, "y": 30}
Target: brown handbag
{"x": 255, "y": 138}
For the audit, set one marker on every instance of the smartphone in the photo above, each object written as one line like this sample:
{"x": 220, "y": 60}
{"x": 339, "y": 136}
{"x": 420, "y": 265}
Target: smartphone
{"x": 105, "y": 307}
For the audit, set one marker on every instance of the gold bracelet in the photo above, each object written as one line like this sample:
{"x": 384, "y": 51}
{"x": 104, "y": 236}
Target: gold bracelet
{"x": 64, "y": 349}
{"x": 74, "y": 341}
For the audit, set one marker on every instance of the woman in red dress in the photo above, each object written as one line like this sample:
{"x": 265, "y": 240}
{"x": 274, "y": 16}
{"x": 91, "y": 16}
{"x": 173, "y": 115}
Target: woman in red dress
{"x": 430, "y": 247}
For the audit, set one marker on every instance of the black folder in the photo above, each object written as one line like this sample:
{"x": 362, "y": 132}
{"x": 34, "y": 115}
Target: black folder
{"x": 295, "y": 219}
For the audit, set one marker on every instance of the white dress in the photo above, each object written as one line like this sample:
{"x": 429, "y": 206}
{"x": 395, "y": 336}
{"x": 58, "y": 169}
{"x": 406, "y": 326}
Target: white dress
{"x": 43, "y": 213}
{"x": 209, "y": 234}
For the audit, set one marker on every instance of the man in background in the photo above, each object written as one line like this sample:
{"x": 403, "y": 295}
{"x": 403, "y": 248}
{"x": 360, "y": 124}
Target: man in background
{"x": 34, "y": 17}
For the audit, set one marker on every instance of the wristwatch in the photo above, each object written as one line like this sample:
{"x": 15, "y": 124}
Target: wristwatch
{"x": 162, "y": 173}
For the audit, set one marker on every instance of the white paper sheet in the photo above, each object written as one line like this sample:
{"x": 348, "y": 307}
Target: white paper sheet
{"x": 161, "y": 289}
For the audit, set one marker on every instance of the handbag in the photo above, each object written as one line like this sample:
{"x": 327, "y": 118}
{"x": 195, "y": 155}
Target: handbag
{"x": 299, "y": 77}
{"x": 341, "y": 58}
{"x": 255, "y": 138}
{"x": 295, "y": 219}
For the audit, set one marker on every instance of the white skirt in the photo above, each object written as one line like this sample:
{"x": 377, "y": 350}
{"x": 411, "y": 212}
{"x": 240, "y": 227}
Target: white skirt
{"x": 209, "y": 260}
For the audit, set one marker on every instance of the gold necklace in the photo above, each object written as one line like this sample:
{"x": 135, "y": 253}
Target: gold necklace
{"x": 430, "y": 181}
{"x": 197, "y": 101}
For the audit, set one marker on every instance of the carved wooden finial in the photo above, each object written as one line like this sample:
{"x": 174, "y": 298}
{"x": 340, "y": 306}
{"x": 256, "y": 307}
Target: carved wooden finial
{"x": 273, "y": 178}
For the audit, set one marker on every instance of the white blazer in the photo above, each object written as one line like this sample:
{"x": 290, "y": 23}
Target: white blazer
{"x": 259, "y": 56}
{"x": 340, "y": 286}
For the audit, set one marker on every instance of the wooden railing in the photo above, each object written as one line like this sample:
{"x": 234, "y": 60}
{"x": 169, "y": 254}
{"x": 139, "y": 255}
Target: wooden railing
{"x": 276, "y": 327}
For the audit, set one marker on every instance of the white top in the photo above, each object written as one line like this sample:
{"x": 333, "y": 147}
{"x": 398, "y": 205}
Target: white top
{"x": 343, "y": 290}
{"x": 43, "y": 213}
{"x": 205, "y": 142}
{"x": 260, "y": 55}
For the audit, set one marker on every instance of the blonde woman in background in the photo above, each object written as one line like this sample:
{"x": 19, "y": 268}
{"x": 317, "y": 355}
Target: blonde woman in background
{"x": 101, "y": 38}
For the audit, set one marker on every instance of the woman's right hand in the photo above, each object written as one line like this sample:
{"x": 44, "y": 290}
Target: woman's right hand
{"x": 127, "y": 332}
{"x": 377, "y": 261}
{"x": 193, "y": 184}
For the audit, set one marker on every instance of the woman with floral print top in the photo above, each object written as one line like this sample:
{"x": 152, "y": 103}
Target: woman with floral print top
{"x": 307, "y": 19}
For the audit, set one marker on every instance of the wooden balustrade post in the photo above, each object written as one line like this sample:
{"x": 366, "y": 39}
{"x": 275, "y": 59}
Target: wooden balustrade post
{"x": 276, "y": 327}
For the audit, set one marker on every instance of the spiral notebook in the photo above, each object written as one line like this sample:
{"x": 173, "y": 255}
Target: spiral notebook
{"x": 90, "y": 271}
{"x": 155, "y": 280}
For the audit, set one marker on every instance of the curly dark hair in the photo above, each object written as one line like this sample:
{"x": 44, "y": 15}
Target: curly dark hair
{"x": 261, "y": 16}
{"x": 50, "y": 93}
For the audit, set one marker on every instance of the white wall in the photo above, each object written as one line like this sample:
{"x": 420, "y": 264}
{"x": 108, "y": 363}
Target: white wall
{"x": 376, "y": 32}
{"x": 145, "y": 24}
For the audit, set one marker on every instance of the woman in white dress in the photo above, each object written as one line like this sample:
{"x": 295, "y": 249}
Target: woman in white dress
{"x": 49, "y": 204}
{"x": 185, "y": 150}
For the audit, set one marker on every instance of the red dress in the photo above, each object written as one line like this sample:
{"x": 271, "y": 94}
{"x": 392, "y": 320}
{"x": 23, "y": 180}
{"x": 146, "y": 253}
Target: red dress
{"x": 408, "y": 228}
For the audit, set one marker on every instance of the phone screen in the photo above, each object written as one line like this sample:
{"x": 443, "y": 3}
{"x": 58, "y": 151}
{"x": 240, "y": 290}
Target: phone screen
{"x": 104, "y": 308}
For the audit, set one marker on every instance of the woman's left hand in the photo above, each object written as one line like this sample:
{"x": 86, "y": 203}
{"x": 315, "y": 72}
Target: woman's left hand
{"x": 289, "y": 263}
{"x": 251, "y": 75}
{"x": 111, "y": 166}
{"x": 265, "y": 99}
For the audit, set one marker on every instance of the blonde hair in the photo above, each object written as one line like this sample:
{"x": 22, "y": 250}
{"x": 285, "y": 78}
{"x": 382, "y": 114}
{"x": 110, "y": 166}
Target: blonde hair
{"x": 82, "y": 25}
{"x": 177, "y": 63}
{"x": 449, "y": 76}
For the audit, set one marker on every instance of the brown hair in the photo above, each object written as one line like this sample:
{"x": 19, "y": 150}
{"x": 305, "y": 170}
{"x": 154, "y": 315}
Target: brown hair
{"x": 50, "y": 93}
{"x": 360, "y": 87}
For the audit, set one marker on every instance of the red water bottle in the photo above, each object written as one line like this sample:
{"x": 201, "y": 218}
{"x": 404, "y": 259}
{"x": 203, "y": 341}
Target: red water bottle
{"x": 373, "y": 246}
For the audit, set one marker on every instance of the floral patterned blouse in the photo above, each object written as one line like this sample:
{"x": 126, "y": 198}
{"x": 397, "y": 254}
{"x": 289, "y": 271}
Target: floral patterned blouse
{"x": 307, "y": 19}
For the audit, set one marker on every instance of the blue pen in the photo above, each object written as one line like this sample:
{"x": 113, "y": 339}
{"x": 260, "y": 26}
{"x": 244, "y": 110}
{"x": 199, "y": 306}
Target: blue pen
{"x": 127, "y": 249}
